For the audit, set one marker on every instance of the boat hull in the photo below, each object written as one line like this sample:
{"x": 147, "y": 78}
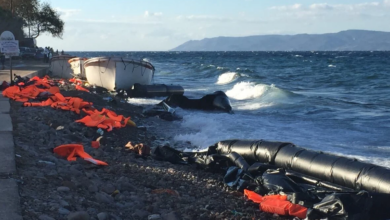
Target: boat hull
{"x": 117, "y": 73}
{"x": 60, "y": 67}
{"x": 77, "y": 66}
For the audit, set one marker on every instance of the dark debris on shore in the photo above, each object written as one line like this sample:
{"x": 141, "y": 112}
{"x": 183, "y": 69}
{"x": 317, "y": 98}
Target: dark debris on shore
{"x": 130, "y": 187}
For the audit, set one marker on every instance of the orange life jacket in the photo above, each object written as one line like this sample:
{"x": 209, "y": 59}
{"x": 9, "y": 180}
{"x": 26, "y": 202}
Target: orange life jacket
{"x": 72, "y": 150}
{"x": 277, "y": 204}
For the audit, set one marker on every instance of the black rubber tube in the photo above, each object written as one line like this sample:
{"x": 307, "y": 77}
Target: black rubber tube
{"x": 339, "y": 170}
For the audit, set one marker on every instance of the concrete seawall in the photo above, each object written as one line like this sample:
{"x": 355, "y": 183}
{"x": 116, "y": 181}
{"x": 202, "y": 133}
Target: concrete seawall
{"x": 24, "y": 68}
{"x": 9, "y": 193}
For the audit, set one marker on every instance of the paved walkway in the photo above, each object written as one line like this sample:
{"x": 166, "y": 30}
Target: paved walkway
{"x": 22, "y": 68}
{"x": 9, "y": 195}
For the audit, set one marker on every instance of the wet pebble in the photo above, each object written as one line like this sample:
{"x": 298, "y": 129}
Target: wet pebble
{"x": 63, "y": 211}
{"x": 45, "y": 217}
{"x": 140, "y": 214}
{"x": 102, "y": 216}
{"x": 108, "y": 188}
{"x": 63, "y": 189}
{"x": 80, "y": 215}
{"x": 104, "y": 198}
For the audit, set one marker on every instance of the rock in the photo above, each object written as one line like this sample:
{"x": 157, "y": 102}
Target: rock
{"x": 63, "y": 211}
{"x": 91, "y": 210}
{"x": 64, "y": 172}
{"x": 170, "y": 216}
{"x": 88, "y": 132}
{"x": 154, "y": 217}
{"x": 80, "y": 215}
{"x": 50, "y": 158}
{"x": 64, "y": 203}
{"x": 108, "y": 188}
{"x": 115, "y": 217}
{"x": 63, "y": 189}
{"x": 123, "y": 184}
{"x": 140, "y": 214}
{"x": 97, "y": 153}
{"x": 92, "y": 188}
{"x": 102, "y": 216}
{"x": 52, "y": 173}
{"x": 104, "y": 198}
{"x": 69, "y": 184}
{"x": 75, "y": 127}
{"x": 45, "y": 217}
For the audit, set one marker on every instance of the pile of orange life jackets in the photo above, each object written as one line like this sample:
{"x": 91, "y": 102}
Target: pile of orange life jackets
{"x": 105, "y": 119}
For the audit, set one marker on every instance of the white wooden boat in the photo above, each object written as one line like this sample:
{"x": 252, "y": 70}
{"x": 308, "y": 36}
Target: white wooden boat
{"x": 77, "y": 66}
{"x": 114, "y": 73}
{"x": 60, "y": 67}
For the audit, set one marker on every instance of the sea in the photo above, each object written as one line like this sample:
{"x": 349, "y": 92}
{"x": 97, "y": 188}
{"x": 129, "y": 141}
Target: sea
{"x": 336, "y": 102}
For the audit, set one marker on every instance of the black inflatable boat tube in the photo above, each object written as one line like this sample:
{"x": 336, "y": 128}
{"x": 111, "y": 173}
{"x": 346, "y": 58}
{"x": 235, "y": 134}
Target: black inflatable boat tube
{"x": 252, "y": 150}
{"x": 238, "y": 160}
{"x": 245, "y": 148}
{"x": 156, "y": 90}
{"x": 302, "y": 178}
{"x": 286, "y": 155}
{"x": 327, "y": 167}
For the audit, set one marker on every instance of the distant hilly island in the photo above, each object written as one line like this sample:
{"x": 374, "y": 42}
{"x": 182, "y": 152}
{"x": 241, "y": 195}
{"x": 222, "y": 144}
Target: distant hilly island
{"x": 349, "y": 40}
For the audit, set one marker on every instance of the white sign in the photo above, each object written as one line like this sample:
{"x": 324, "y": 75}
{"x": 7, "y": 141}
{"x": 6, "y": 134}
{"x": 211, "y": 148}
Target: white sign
{"x": 8, "y": 45}
{"x": 7, "y": 35}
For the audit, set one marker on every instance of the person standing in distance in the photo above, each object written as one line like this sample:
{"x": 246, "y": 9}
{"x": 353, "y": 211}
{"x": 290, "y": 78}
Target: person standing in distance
{"x": 2, "y": 61}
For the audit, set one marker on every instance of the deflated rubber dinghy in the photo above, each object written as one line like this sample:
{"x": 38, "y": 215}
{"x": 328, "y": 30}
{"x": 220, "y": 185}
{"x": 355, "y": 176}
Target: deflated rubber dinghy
{"x": 339, "y": 170}
{"x": 163, "y": 111}
{"x": 211, "y": 102}
{"x": 289, "y": 180}
{"x": 155, "y": 90}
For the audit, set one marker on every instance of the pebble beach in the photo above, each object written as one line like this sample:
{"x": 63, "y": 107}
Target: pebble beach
{"x": 130, "y": 187}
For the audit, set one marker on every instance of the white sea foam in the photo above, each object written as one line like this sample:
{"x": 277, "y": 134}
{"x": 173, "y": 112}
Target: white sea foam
{"x": 226, "y": 78}
{"x": 247, "y": 90}
{"x": 250, "y": 90}
{"x": 330, "y": 65}
{"x": 252, "y": 106}
{"x": 203, "y": 129}
{"x": 143, "y": 101}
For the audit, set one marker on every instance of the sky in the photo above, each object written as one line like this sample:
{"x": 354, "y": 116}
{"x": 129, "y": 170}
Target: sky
{"x": 161, "y": 25}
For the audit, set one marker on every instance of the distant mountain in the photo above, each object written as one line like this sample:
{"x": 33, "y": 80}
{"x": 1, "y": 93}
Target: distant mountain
{"x": 350, "y": 40}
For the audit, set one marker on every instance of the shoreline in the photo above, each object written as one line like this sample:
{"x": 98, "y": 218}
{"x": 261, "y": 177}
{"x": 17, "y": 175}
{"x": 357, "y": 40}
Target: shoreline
{"x": 53, "y": 188}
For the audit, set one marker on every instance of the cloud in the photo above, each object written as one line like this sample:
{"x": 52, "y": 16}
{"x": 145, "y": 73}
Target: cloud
{"x": 203, "y": 18}
{"x": 332, "y": 7}
{"x": 152, "y": 14}
{"x": 287, "y": 7}
{"x": 322, "y": 6}
{"x": 113, "y": 21}
{"x": 212, "y": 18}
{"x": 67, "y": 13}
{"x": 325, "y": 10}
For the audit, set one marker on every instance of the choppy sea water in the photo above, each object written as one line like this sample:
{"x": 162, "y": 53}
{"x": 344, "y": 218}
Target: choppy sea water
{"x": 335, "y": 102}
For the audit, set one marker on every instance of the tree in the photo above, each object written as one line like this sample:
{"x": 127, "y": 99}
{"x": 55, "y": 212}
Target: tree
{"x": 7, "y": 22}
{"x": 38, "y": 17}
{"x": 46, "y": 20}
